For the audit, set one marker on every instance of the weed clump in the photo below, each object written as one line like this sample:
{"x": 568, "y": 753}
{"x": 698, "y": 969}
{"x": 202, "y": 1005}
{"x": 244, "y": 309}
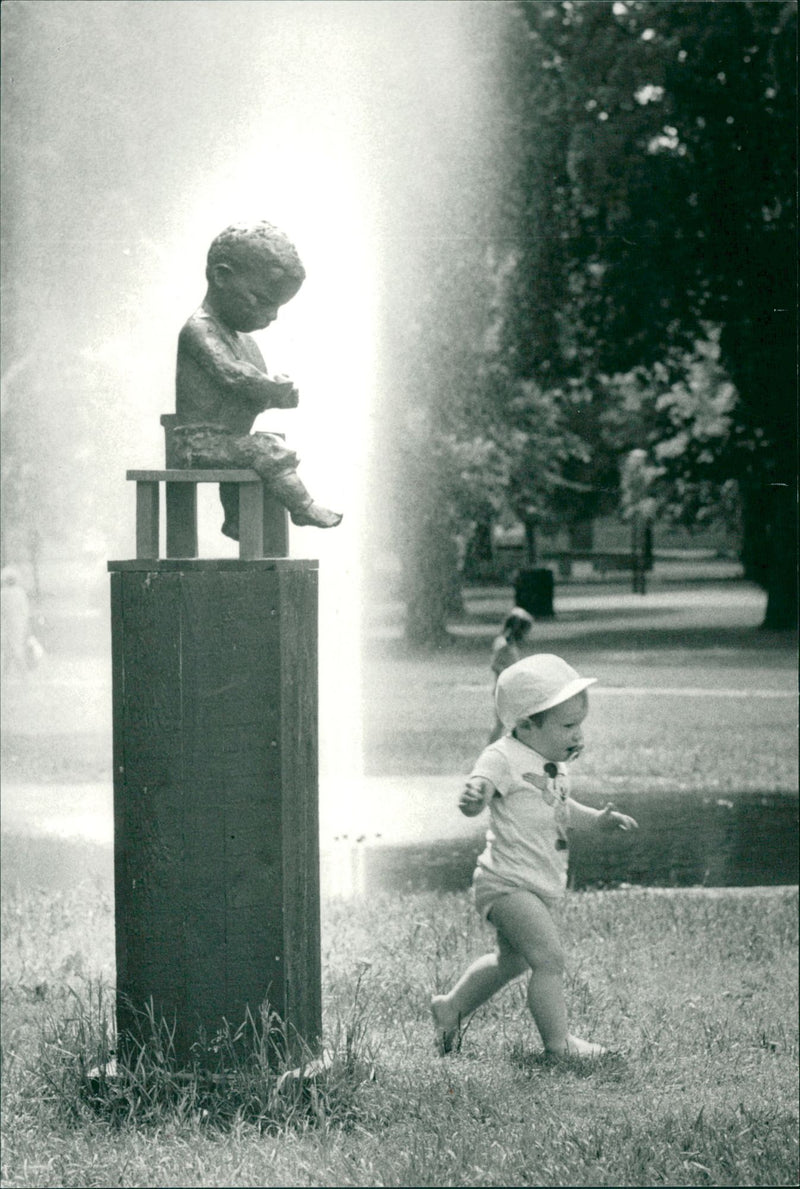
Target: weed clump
{"x": 255, "y": 1073}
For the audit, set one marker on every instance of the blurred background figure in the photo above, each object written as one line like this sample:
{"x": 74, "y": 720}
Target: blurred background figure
{"x": 507, "y": 648}
{"x": 15, "y": 622}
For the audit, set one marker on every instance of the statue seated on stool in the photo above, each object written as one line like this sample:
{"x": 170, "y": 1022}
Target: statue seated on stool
{"x": 222, "y": 382}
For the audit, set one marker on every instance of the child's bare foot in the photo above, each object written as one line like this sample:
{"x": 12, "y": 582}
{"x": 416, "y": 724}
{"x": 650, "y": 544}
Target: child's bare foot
{"x": 317, "y": 516}
{"x": 575, "y": 1047}
{"x": 448, "y": 1035}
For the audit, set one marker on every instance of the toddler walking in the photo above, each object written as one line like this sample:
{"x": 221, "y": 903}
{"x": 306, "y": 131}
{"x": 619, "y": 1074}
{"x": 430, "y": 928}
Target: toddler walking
{"x": 521, "y": 876}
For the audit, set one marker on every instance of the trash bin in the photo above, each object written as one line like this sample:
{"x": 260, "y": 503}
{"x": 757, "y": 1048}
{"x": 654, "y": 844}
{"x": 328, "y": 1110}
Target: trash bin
{"x": 533, "y": 591}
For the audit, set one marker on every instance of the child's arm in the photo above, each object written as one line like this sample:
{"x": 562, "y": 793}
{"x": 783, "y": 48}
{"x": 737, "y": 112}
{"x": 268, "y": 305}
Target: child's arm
{"x": 583, "y": 818}
{"x": 477, "y": 792}
{"x": 202, "y": 341}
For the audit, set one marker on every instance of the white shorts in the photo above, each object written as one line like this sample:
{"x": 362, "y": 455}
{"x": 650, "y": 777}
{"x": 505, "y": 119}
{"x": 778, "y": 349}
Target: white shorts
{"x": 488, "y": 888}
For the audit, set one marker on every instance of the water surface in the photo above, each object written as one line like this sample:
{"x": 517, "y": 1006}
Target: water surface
{"x": 683, "y": 840}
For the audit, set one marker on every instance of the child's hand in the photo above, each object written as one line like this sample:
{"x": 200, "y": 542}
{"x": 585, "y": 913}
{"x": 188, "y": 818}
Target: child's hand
{"x": 284, "y": 393}
{"x": 474, "y": 796}
{"x": 611, "y": 819}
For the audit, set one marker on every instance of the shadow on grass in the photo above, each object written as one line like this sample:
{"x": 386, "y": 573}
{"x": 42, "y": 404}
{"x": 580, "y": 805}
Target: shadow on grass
{"x": 696, "y": 639}
{"x": 612, "y": 1069}
{"x": 615, "y": 633}
{"x": 571, "y": 615}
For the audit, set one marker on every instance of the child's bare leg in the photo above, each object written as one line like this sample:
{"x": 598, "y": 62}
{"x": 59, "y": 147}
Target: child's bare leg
{"x": 478, "y": 983}
{"x": 527, "y": 924}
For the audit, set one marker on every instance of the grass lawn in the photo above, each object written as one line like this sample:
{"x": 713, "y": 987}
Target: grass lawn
{"x": 695, "y": 990}
{"x": 691, "y": 694}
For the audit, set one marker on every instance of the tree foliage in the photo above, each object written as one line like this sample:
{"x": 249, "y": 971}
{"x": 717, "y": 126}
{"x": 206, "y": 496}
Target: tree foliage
{"x": 673, "y": 185}
{"x": 643, "y": 253}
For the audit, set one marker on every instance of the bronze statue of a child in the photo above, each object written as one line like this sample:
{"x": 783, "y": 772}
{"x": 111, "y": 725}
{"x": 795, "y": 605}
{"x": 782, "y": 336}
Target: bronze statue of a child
{"x": 222, "y": 382}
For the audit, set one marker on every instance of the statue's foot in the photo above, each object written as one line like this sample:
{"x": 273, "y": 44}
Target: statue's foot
{"x": 231, "y": 529}
{"x": 316, "y": 515}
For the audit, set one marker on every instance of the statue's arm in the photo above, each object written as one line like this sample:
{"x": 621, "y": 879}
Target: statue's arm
{"x": 238, "y": 377}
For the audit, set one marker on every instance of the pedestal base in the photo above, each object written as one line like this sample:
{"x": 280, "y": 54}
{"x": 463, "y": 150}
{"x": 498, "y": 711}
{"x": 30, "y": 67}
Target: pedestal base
{"x": 215, "y": 795}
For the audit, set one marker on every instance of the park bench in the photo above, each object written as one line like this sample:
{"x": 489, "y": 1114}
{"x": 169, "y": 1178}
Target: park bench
{"x": 602, "y": 563}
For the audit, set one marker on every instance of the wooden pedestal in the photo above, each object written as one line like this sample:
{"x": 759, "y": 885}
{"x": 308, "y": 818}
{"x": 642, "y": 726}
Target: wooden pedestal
{"x": 215, "y": 794}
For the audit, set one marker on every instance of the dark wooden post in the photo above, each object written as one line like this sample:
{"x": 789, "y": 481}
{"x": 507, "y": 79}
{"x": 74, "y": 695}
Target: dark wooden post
{"x": 181, "y": 519}
{"x": 215, "y": 792}
{"x": 147, "y": 520}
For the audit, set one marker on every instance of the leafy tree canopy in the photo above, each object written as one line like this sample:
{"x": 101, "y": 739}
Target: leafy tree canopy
{"x": 666, "y": 229}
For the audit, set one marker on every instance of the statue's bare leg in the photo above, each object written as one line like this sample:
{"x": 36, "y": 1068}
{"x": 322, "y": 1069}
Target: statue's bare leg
{"x": 292, "y": 492}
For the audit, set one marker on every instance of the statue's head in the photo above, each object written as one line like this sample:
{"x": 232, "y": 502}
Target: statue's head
{"x": 252, "y": 270}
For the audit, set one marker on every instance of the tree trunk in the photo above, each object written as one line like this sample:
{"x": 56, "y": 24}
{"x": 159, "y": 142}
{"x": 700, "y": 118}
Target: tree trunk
{"x": 755, "y": 553}
{"x": 432, "y": 585}
{"x": 782, "y": 555}
{"x": 531, "y": 550}
{"x": 581, "y": 535}
{"x": 479, "y": 552}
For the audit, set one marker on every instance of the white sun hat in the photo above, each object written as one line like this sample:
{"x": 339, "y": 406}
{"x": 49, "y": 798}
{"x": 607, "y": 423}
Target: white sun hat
{"x": 534, "y": 684}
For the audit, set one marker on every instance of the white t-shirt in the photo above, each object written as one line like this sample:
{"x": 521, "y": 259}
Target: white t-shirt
{"x": 526, "y": 842}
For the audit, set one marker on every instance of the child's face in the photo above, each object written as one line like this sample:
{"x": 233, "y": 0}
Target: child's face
{"x": 560, "y": 736}
{"x": 248, "y": 296}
